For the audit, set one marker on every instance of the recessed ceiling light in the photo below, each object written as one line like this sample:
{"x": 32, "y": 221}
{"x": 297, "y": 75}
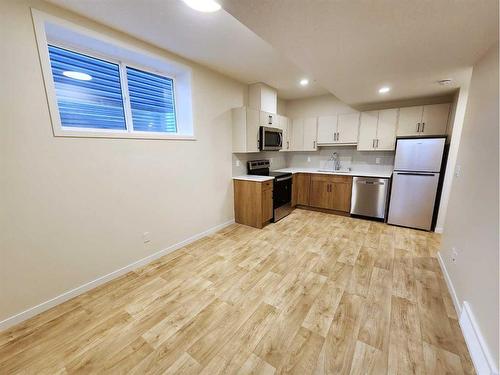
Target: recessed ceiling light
{"x": 304, "y": 82}
{"x": 206, "y": 6}
{"x": 77, "y": 75}
{"x": 384, "y": 90}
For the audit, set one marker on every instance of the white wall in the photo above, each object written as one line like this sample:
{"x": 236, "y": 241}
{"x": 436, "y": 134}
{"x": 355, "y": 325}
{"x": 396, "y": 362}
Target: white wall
{"x": 472, "y": 222}
{"x": 74, "y": 209}
{"x": 454, "y": 132}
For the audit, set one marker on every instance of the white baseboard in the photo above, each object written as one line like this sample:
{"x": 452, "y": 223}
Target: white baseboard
{"x": 451, "y": 288}
{"x": 439, "y": 229}
{"x": 35, "y": 310}
{"x": 479, "y": 352}
{"x": 478, "y": 349}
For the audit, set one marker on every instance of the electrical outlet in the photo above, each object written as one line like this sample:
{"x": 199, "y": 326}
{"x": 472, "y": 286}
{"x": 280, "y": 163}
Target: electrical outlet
{"x": 454, "y": 255}
{"x": 308, "y": 159}
{"x": 377, "y": 160}
{"x": 458, "y": 170}
{"x": 271, "y": 161}
{"x": 146, "y": 237}
{"x": 238, "y": 163}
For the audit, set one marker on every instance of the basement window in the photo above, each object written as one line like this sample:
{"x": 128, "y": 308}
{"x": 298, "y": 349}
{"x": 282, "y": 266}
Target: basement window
{"x": 97, "y": 87}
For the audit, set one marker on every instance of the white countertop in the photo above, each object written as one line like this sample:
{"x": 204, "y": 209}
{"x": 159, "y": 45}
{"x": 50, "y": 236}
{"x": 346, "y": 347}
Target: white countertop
{"x": 378, "y": 174}
{"x": 248, "y": 177}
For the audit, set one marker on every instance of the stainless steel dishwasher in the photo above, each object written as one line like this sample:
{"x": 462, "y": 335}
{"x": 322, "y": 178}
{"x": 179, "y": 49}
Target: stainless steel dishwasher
{"x": 369, "y": 196}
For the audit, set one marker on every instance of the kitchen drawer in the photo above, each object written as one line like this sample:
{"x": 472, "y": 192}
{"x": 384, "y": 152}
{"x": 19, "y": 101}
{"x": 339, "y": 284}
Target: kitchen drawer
{"x": 331, "y": 178}
{"x": 267, "y": 185}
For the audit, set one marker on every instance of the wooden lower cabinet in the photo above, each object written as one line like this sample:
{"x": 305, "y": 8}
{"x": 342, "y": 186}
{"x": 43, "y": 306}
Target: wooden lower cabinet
{"x": 300, "y": 189}
{"x": 253, "y": 202}
{"x": 320, "y": 195}
{"x": 330, "y": 192}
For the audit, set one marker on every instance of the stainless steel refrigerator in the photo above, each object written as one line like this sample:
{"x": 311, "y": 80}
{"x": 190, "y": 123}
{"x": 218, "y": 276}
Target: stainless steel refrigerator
{"x": 415, "y": 182}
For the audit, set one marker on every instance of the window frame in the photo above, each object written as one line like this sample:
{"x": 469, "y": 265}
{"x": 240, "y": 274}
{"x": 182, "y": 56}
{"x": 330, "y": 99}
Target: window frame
{"x": 61, "y": 131}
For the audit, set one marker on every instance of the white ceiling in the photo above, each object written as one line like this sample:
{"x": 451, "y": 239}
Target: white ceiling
{"x": 216, "y": 40}
{"x": 353, "y": 47}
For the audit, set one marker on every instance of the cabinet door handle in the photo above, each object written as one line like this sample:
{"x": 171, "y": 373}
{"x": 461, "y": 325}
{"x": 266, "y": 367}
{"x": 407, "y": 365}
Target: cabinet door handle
{"x": 377, "y": 143}
{"x": 314, "y": 144}
{"x": 270, "y": 120}
{"x": 423, "y": 126}
{"x": 418, "y": 127}
{"x": 287, "y": 145}
{"x": 373, "y": 143}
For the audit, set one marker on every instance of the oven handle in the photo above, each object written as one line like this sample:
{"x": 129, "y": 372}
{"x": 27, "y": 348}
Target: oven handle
{"x": 283, "y": 179}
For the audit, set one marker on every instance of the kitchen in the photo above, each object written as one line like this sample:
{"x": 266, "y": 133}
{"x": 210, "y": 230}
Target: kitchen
{"x": 342, "y": 163}
{"x": 249, "y": 187}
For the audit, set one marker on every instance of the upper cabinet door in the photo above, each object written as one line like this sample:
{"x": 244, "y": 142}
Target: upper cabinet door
{"x": 386, "y": 130}
{"x": 252, "y": 130}
{"x": 297, "y": 140}
{"x": 327, "y": 127}
{"x": 435, "y": 119}
{"x": 268, "y": 119}
{"x": 410, "y": 121}
{"x": 283, "y": 124}
{"x": 310, "y": 134}
{"x": 368, "y": 130}
{"x": 347, "y": 128}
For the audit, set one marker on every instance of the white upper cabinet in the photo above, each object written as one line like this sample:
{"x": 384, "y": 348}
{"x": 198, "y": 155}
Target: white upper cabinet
{"x": 269, "y": 119}
{"x": 423, "y": 120}
{"x": 284, "y": 124}
{"x": 304, "y": 132}
{"x": 410, "y": 119}
{"x": 386, "y": 129}
{"x": 327, "y": 129}
{"x": 262, "y": 98}
{"x": 435, "y": 119}
{"x": 368, "y": 130}
{"x": 245, "y": 130}
{"x": 377, "y": 130}
{"x": 310, "y": 133}
{"x": 347, "y": 128}
{"x": 341, "y": 129}
{"x": 297, "y": 140}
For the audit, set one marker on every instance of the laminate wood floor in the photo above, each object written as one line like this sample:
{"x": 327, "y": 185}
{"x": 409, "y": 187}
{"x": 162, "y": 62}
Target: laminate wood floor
{"x": 312, "y": 294}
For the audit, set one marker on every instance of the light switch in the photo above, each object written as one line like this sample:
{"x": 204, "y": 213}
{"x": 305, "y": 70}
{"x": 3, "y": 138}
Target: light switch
{"x": 308, "y": 159}
{"x": 458, "y": 170}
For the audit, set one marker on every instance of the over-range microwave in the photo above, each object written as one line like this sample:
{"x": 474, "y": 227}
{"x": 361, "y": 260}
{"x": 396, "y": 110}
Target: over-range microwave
{"x": 271, "y": 139}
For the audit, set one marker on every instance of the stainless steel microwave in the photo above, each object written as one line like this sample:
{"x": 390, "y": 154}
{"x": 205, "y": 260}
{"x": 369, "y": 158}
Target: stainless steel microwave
{"x": 271, "y": 139}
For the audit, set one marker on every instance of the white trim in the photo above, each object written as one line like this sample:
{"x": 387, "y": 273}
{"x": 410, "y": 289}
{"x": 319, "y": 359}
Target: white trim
{"x": 439, "y": 230}
{"x": 478, "y": 349}
{"x": 35, "y": 310}
{"x": 451, "y": 288}
{"x": 39, "y": 20}
{"x": 479, "y": 352}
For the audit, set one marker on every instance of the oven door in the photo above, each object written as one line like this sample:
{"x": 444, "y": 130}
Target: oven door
{"x": 271, "y": 139}
{"x": 282, "y": 197}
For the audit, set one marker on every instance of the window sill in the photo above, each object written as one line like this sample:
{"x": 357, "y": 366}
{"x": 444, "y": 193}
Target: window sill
{"x": 122, "y": 135}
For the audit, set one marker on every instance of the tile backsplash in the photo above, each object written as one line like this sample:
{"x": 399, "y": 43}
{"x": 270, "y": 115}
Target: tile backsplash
{"x": 278, "y": 160}
{"x": 349, "y": 158}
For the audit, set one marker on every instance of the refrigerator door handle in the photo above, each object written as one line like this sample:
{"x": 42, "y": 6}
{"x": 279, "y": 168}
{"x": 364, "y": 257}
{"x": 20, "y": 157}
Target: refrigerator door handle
{"x": 416, "y": 174}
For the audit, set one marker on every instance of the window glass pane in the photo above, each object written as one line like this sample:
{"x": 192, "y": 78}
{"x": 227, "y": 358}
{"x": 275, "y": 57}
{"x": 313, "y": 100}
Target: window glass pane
{"x": 88, "y": 90}
{"x": 151, "y": 101}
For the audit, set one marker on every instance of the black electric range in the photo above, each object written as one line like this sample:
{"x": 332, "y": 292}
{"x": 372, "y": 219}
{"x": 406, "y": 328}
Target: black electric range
{"x": 282, "y": 187}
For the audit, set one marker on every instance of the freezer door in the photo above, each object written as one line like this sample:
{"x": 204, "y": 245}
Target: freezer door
{"x": 412, "y": 199}
{"x": 419, "y": 155}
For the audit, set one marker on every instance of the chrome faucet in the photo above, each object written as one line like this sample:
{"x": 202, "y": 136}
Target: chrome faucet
{"x": 336, "y": 161}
